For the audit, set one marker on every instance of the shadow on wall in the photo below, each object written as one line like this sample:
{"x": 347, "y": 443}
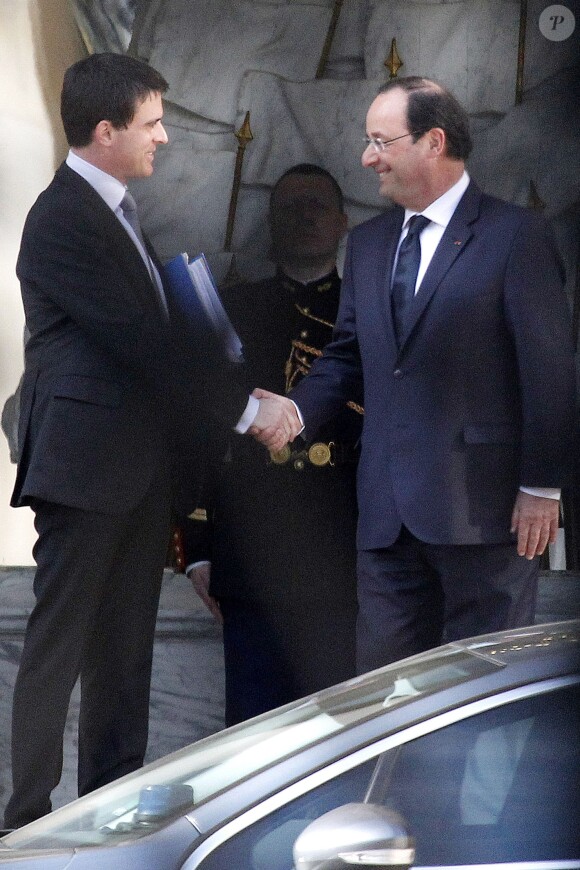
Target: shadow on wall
{"x": 51, "y": 29}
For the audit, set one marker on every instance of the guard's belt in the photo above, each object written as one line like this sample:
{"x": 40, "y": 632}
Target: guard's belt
{"x": 319, "y": 454}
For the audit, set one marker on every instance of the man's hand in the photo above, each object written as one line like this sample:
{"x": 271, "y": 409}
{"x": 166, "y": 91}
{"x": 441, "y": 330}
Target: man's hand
{"x": 535, "y": 521}
{"x": 276, "y": 422}
{"x": 199, "y": 576}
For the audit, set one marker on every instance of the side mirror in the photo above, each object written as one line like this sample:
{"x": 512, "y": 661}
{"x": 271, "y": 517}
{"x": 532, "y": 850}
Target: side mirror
{"x": 355, "y": 834}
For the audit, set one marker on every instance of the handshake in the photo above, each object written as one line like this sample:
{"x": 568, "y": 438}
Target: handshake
{"x": 277, "y": 421}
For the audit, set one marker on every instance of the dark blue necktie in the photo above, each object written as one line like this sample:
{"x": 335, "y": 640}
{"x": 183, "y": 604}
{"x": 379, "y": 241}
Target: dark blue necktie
{"x": 405, "y": 277}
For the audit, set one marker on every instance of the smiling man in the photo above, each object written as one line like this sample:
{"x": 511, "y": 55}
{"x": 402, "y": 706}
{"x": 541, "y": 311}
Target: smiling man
{"x": 97, "y": 405}
{"x": 454, "y": 319}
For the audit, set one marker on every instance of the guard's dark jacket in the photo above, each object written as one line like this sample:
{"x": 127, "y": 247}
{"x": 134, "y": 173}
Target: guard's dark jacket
{"x": 282, "y": 533}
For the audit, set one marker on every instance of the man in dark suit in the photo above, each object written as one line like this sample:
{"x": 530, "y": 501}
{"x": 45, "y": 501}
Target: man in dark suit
{"x": 98, "y": 394}
{"x": 280, "y": 532}
{"x": 461, "y": 339}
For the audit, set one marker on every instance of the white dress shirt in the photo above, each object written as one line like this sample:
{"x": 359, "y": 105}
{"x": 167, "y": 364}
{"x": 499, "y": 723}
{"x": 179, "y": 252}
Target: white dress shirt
{"x": 439, "y": 213}
{"x": 112, "y": 191}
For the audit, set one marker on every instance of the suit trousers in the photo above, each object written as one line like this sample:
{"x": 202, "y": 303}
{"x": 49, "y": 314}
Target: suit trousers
{"x": 414, "y": 596}
{"x": 257, "y": 678}
{"x": 276, "y": 654}
{"x": 97, "y": 588}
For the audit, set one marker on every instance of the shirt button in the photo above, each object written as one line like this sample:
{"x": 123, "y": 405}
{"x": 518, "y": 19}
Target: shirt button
{"x": 304, "y": 333}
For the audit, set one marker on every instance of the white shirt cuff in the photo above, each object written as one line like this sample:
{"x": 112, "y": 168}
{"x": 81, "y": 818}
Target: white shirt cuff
{"x": 300, "y": 417}
{"x": 542, "y": 491}
{"x": 248, "y": 416}
{"x": 198, "y": 564}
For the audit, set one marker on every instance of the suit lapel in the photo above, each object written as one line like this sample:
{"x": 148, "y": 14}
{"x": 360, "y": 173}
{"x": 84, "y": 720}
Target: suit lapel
{"x": 453, "y": 242}
{"x": 108, "y": 224}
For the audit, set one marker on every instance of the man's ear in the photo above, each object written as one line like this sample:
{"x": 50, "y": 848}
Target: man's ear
{"x": 103, "y": 133}
{"x": 437, "y": 141}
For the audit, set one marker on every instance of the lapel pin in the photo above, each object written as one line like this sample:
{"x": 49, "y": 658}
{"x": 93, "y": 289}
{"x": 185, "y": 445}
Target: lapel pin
{"x": 457, "y": 242}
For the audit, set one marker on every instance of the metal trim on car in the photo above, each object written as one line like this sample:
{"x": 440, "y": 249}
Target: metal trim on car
{"x": 365, "y": 753}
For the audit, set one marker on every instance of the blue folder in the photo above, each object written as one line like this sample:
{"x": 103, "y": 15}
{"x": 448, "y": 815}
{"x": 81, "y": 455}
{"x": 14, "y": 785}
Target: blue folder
{"x": 195, "y": 298}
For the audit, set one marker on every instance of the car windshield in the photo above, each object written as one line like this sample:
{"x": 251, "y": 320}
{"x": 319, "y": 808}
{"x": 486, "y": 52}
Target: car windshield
{"x": 151, "y": 797}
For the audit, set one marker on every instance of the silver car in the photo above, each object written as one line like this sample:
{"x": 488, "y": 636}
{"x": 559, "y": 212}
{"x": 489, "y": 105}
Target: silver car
{"x": 466, "y": 756}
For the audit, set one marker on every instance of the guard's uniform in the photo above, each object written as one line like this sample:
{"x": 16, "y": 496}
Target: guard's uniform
{"x": 283, "y": 527}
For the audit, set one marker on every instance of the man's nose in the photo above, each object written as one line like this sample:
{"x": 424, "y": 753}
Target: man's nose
{"x": 308, "y": 213}
{"x": 303, "y": 210}
{"x": 160, "y": 134}
{"x": 369, "y": 157}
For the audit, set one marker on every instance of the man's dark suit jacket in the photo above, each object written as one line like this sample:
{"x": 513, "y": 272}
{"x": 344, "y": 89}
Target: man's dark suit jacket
{"x": 104, "y": 372}
{"x": 478, "y": 400}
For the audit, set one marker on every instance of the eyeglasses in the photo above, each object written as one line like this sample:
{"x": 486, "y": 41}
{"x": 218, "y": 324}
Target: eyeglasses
{"x": 382, "y": 144}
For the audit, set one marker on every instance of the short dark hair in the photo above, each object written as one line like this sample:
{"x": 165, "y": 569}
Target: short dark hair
{"x": 104, "y": 86}
{"x": 432, "y": 105}
{"x": 311, "y": 169}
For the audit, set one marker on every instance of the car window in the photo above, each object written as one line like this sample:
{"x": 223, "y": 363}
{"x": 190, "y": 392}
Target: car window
{"x": 497, "y": 787}
{"x": 501, "y": 786}
{"x": 267, "y": 844}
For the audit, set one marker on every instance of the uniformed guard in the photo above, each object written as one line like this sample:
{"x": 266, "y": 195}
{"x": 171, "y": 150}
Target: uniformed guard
{"x": 280, "y": 533}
